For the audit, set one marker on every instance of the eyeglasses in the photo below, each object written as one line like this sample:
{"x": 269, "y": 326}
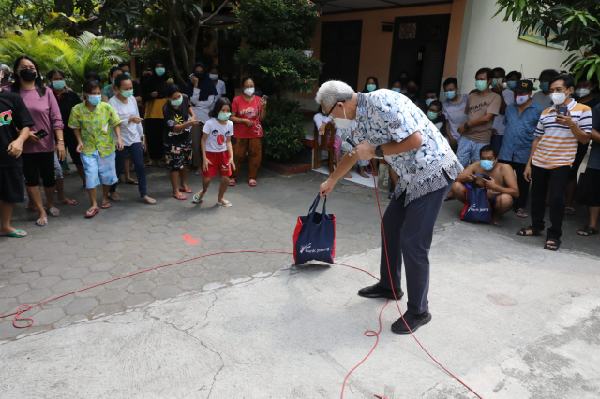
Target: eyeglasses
{"x": 332, "y": 108}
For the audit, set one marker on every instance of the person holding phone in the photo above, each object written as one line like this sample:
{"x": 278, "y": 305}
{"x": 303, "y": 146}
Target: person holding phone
{"x": 46, "y": 137}
{"x": 180, "y": 120}
{"x": 560, "y": 128}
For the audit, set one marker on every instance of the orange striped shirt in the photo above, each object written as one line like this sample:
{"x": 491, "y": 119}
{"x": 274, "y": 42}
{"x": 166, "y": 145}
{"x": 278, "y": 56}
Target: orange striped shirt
{"x": 558, "y": 145}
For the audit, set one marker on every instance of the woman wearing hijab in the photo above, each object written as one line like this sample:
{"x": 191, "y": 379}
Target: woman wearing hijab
{"x": 153, "y": 94}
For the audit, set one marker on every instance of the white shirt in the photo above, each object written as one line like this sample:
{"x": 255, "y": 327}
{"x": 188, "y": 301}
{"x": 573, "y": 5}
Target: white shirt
{"x": 217, "y": 135}
{"x": 202, "y": 108}
{"x": 130, "y": 132}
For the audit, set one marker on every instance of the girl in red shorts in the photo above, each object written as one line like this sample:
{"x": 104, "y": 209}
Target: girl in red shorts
{"x": 217, "y": 152}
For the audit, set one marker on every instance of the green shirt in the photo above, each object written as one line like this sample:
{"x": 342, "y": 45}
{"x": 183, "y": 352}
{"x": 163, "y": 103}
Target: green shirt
{"x": 96, "y": 127}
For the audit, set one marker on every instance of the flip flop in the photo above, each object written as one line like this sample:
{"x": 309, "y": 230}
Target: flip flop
{"x": 71, "y": 202}
{"x": 232, "y": 182}
{"x": 552, "y": 245}
{"x": 587, "y": 231}
{"x": 252, "y": 183}
{"x": 197, "y": 198}
{"x": 185, "y": 190}
{"x": 180, "y": 197}
{"x": 41, "y": 222}
{"x": 90, "y": 213}
{"x": 225, "y": 204}
{"x": 521, "y": 213}
{"x": 528, "y": 232}
{"x": 54, "y": 211}
{"x": 105, "y": 205}
{"x": 16, "y": 233}
{"x": 132, "y": 182}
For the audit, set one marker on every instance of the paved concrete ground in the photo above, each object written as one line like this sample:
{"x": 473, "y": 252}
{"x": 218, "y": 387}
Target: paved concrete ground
{"x": 514, "y": 320}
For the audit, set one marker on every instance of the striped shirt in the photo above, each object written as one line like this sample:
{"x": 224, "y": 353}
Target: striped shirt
{"x": 558, "y": 145}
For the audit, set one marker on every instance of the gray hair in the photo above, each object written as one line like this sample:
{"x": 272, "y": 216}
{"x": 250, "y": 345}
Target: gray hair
{"x": 332, "y": 92}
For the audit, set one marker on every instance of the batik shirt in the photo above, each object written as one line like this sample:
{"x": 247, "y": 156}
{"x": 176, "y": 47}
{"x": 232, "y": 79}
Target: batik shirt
{"x": 96, "y": 127}
{"x": 385, "y": 116}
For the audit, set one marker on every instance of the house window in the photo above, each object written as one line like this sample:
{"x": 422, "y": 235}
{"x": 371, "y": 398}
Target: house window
{"x": 407, "y": 31}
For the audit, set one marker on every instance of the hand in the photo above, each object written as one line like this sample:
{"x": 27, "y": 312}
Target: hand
{"x": 33, "y": 137}
{"x": 194, "y": 80}
{"x": 154, "y": 94}
{"x": 461, "y": 129}
{"x": 194, "y": 122}
{"x": 248, "y": 122}
{"x": 205, "y": 164}
{"x": 232, "y": 164}
{"x": 490, "y": 184}
{"x": 527, "y": 173}
{"x": 322, "y": 130}
{"x": 479, "y": 181}
{"x": 135, "y": 119}
{"x": 15, "y": 148}
{"x": 144, "y": 144}
{"x": 79, "y": 147}
{"x": 120, "y": 144}
{"x": 60, "y": 151}
{"x": 565, "y": 120}
{"x": 327, "y": 186}
{"x": 365, "y": 151}
{"x": 263, "y": 101}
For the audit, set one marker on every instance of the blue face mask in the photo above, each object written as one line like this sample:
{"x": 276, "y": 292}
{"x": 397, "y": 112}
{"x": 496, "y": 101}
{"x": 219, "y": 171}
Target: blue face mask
{"x": 127, "y": 93}
{"x": 486, "y": 164}
{"x": 512, "y": 84}
{"x": 59, "y": 84}
{"x": 544, "y": 86}
{"x": 371, "y": 87}
{"x": 94, "y": 99}
{"x": 450, "y": 95}
{"x": 481, "y": 85}
{"x": 396, "y": 89}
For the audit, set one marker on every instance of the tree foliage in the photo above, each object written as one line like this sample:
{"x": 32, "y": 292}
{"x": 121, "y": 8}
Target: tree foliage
{"x": 57, "y": 50}
{"x": 573, "y": 22}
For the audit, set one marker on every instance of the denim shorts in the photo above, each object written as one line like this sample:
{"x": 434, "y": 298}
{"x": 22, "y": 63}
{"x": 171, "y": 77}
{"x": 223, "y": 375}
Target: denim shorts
{"x": 99, "y": 170}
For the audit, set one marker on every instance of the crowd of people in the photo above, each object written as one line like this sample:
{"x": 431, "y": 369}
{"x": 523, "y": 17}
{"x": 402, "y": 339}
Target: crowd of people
{"x": 106, "y": 129}
{"x": 513, "y": 140}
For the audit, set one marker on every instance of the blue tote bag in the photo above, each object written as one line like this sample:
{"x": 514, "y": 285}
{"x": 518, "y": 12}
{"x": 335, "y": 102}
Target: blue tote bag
{"x": 314, "y": 236}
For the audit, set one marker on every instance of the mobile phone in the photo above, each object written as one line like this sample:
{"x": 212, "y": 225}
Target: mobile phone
{"x": 562, "y": 110}
{"x": 40, "y": 134}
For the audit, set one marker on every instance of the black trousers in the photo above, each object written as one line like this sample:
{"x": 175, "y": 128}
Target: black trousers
{"x": 154, "y": 129}
{"x": 523, "y": 185}
{"x": 408, "y": 232}
{"x": 551, "y": 183}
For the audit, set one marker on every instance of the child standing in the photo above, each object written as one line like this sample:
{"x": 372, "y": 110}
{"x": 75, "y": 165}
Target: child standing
{"x": 217, "y": 151}
{"x": 178, "y": 141}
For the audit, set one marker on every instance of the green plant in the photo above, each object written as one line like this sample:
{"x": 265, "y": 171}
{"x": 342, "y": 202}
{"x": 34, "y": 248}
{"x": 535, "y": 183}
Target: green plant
{"x": 284, "y": 130}
{"x": 573, "y": 22}
{"x": 57, "y": 50}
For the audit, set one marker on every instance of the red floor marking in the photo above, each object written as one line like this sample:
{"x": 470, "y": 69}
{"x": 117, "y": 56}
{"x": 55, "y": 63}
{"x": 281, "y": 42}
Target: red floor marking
{"x": 190, "y": 240}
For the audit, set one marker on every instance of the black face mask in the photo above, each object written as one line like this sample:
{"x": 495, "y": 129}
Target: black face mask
{"x": 28, "y": 75}
{"x": 199, "y": 75}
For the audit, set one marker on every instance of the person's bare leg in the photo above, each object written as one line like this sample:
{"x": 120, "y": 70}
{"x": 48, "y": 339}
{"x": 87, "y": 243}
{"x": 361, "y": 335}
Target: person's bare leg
{"x": 223, "y": 187}
{"x": 174, "y": 175}
{"x": 106, "y": 194}
{"x": 35, "y": 197}
{"x": 93, "y": 200}
{"x": 459, "y": 192}
{"x": 6, "y": 210}
{"x": 594, "y": 214}
{"x": 504, "y": 203}
{"x": 184, "y": 175}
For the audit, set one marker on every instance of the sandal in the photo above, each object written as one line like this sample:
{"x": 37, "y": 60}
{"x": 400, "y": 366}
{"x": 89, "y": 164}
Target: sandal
{"x": 552, "y": 244}
{"x": 587, "y": 231}
{"x": 41, "y": 222}
{"x": 70, "y": 202}
{"x": 132, "y": 182}
{"x": 198, "y": 198}
{"x": 252, "y": 183}
{"x": 105, "y": 205}
{"x": 90, "y": 213}
{"x": 16, "y": 233}
{"x": 185, "y": 190}
{"x": 54, "y": 211}
{"x": 528, "y": 232}
{"x": 232, "y": 182}
{"x": 521, "y": 213}
{"x": 180, "y": 197}
{"x": 224, "y": 203}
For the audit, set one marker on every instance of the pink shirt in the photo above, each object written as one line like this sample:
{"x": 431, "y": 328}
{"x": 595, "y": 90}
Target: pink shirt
{"x": 46, "y": 116}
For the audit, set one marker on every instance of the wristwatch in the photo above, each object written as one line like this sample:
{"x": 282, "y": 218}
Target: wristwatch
{"x": 379, "y": 152}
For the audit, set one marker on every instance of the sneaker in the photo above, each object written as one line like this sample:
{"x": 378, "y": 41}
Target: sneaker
{"x": 377, "y": 291}
{"x": 414, "y": 321}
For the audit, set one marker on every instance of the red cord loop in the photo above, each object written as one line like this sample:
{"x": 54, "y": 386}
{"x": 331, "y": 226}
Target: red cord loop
{"x": 22, "y": 322}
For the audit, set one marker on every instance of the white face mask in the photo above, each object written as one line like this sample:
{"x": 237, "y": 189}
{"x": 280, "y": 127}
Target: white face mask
{"x": 343, "y": 123}
{"x": 520, "y": 100}
{"x": 582, "y": 92}
{"x": 249, "y": 91}
{"x": 558, "y": 98}
{"x": 213, "y": 76}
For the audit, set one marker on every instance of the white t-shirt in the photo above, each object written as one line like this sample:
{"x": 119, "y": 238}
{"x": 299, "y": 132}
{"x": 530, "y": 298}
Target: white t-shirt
{"x": 217, "y": 135}
{"x": 202, "y": 108}
{"x": 130, "y": 132}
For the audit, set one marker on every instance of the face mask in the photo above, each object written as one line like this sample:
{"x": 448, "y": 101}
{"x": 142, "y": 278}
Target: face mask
{"x": 450, "y": 95}
{"x": 481, "y": 85}
{"x": 59, "y": 84}
{"x": 94, "y": 99}
{"x": 428, "y": 101}
{"x": 520, "y": 100}
{"x": 558, "y": 98}
{"x": 127, "y": 93}
{"x": 249, "y": 91}
{"x": 582, "y": 92}
{"x": 28, "y": 75}
{"x": 160, "y": 71}
{"x": 343, "y": 123}
{"x": 213, "y": 76}
{"x": 371, "y": 87}
{"x": 486, "y": 164}
{"x": 496, "y": 82}
{"x": 224, "y": 116}
{"x": 178, "y": 102}
{"x": 544, "y": 86}
{"x": 396, "y": 89}
{"x": 512, "y": 84}
{"x": 432, "y": 115}
{"x": 126, "y": 74}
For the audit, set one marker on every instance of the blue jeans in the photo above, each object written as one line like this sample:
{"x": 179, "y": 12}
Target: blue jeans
{"x": 468, "y": 151}
{"x": 136, "y": 153}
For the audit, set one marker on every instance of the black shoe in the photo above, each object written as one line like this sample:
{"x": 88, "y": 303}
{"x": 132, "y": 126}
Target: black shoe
{"x": 377, "y": 291}
{"x": 414, "y": 321}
